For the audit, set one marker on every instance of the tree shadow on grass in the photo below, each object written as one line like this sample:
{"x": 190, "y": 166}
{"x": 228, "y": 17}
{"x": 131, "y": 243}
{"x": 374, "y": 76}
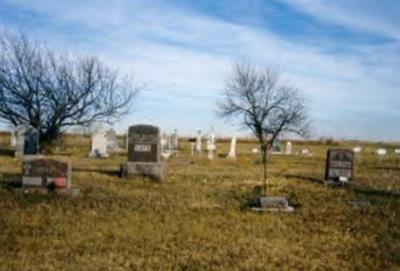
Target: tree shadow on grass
{"x": 387, "y": 168}
{"x": 10, "y": 181}
{"x": 6, "y": 152}
{"x": 109, "y": 172}
{"x": 305, "y": 178}
{"x": 377, "y": 193}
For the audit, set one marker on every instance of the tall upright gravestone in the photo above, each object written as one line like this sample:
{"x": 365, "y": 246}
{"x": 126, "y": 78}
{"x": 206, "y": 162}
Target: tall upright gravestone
{"x": 143, "y": 153}
{"x": 339, "y": 166}
{"x": 27, "y": 140}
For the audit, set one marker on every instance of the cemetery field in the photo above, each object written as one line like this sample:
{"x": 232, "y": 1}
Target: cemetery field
{"x": 197, "y": 219}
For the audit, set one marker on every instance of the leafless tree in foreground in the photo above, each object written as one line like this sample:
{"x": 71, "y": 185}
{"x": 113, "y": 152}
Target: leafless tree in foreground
{"x": 52, "y": 92}
{"x": 265, "y": 105}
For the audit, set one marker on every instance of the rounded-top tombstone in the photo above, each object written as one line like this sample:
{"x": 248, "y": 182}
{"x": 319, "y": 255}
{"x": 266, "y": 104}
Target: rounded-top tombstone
{"x": 27, "y": 140}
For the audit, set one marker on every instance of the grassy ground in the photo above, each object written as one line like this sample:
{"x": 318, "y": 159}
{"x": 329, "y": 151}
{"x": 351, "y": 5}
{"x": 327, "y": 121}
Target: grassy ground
{"x": 193, "y": 221}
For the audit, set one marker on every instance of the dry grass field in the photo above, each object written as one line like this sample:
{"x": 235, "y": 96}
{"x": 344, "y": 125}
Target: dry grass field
{"x": 195, "y": 220}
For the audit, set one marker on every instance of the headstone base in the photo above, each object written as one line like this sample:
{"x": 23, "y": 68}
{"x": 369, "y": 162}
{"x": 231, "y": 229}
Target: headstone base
{"x": 358, "y": 204}
{"x": 154, "y": 171}
{"x": 98, "y": 155}
{"x": 272, "y": 204}
{"x": 28, "y": 156}
{"x": 337, "y": 182}
{"x": 67, "y": 192}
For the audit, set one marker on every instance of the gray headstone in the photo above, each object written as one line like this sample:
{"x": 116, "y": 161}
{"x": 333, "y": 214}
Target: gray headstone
{"x": 276, "y": 204}
{"x": 198, "y": 142}
{"x": 27, "y": 140}
{"x": 112, "y": 141}
{"x": 174, "y": 141}
{"x": 339, "y": 165}
{"x": 277, "y": 146}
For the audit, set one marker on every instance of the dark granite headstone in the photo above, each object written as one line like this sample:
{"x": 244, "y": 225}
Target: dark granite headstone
{"x": 144, "y": 151}
{"x": 47, "y": 173}
{"x": 339, "y": 165}
{"x": 144, "y": 143}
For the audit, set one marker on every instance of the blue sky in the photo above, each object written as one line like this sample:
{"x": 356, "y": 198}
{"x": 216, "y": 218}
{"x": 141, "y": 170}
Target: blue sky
{"x": 344, "y": 55}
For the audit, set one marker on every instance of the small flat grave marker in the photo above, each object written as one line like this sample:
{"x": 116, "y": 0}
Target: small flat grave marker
{"x": 273, "y": 204}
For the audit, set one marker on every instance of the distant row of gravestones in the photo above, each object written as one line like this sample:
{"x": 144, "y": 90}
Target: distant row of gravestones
{"x": 144, "y": 151}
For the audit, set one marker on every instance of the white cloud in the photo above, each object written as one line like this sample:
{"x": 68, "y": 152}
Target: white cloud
{"x": 380, "y": 17}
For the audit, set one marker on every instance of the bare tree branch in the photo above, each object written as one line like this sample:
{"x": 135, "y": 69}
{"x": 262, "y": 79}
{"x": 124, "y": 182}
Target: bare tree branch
{"x": 265, "y": 105}
{"x": 51, "y": 92}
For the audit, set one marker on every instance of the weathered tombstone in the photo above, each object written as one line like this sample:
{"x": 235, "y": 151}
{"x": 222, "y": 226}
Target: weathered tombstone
{"x": 232, "y": 151}
{"x": 47, "y": 175}
{"x": 99, "y": 144}
{"x": 381, "y": 152}
{"x": 288, "y": 149}
{"x": 112, "y": 141}
{"x": 192, "y": 141}
{"x": 143, "y": 153}
{"x": 306, "y": 152}
{"x": 192, "y": 148}
{"x": 163, "y": 142}
{"x": 339, "y": 166}
{"x": 198, "y": 142}
{"x": 13, "y": 139}
{"x": 357, "y": 149}
{"x": 397, "y": 151}
{"x": 211, "y": 146}
{"x": 276, "y": 147}
{"x": 27, "y": 140}
{"x": 174, "y": 141}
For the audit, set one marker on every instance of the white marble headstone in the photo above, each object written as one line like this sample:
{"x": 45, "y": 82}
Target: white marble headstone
{"x": 381, "y": 152}
{"x": 288, "y": 150}
{"x": 198, "y": 142}
{"x": 211, "y": 146}
{"x": 357, "y": 149}
{"x": 99, "y": 144}
{"x": 232, "y": 151}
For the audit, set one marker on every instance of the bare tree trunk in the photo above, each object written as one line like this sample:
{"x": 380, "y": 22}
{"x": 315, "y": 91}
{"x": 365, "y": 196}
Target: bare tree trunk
{"x": 264, "y": 150}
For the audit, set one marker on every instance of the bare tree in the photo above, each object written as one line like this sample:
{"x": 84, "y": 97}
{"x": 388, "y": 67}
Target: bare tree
{"x": 265, "y": 105}
{"x": 52, "y": 92}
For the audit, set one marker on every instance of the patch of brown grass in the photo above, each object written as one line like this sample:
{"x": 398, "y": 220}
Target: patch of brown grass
{"x": 193, "y": 221}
